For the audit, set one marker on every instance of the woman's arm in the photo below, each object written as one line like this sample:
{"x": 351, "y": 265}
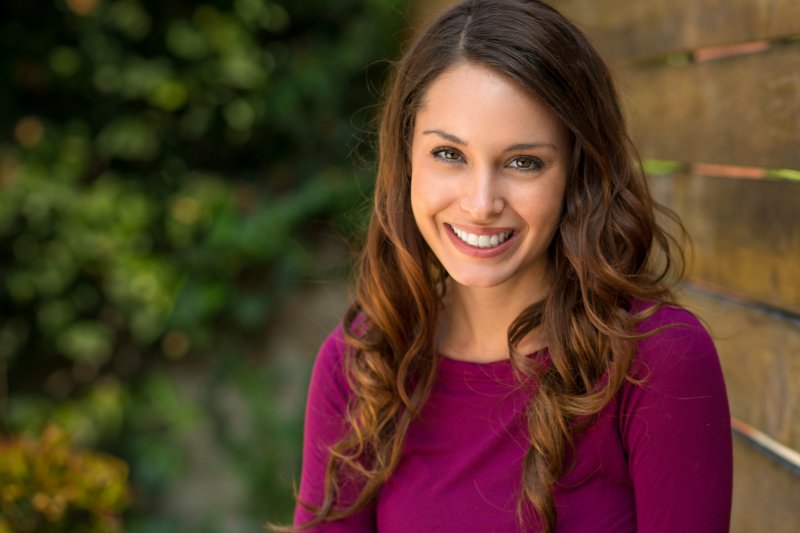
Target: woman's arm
{"x": 676, "y": 430}
{"x": 328, "y": 395}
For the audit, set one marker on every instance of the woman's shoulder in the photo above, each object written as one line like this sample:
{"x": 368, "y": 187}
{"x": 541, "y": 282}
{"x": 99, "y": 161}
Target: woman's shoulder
{"x": 662, "y": 314}
{"x": 665, "y": 322}
{"x": 674, "y": 343}
{"x": 328, "y": 375}
{"x": 332, "y": 350}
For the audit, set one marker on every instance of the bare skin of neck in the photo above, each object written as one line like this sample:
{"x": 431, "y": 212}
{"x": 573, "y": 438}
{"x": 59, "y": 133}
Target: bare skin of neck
{"x": 474, "y": 321}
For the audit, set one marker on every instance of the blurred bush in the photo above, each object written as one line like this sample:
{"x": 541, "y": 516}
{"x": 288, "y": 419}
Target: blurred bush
{"x": 45, "y": 485}
{"x": 165, "y": 170}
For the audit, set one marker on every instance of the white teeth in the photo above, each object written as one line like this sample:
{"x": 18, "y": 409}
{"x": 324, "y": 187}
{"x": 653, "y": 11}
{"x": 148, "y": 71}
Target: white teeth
{"x": 482, "y": 241}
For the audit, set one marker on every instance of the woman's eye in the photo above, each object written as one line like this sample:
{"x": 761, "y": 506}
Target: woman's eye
{"x": 447, "y": 154}
{"x": 525, "y": 163}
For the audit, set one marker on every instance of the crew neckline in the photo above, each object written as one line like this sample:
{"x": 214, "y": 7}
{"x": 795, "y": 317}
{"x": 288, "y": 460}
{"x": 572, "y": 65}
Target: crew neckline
{"x": 488, "y": 369}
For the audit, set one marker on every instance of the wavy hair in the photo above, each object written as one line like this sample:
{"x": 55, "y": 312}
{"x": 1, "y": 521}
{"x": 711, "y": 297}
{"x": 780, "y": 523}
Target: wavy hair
{"x": 608, "y": 251}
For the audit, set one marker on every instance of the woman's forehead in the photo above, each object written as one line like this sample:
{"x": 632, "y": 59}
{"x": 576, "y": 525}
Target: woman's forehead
{"x": 472, "y": 101}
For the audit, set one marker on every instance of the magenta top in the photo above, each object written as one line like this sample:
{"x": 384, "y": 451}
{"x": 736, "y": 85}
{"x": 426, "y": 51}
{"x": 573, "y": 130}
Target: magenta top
{"x": 657, "y": 458}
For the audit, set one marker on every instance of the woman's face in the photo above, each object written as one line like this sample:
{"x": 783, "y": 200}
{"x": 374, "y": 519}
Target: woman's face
{"x": 489, "y": 164}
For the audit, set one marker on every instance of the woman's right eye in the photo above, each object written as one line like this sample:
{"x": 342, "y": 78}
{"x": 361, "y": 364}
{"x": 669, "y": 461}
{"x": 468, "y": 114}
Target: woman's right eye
{"x": 447, "y": 154}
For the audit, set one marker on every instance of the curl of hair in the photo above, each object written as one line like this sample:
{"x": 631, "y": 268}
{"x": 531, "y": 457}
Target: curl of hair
{"x": 608, "y": 251}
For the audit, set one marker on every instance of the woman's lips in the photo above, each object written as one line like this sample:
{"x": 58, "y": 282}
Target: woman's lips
{"x": 481, "y": 242}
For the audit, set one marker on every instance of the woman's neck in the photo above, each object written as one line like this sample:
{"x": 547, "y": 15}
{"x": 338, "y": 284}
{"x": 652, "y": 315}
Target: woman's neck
{"x": 474, "y": 321}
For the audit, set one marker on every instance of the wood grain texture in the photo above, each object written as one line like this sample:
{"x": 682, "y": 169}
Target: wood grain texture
{"x": 745, "y": 233}
{"x": 760, "y": 355}
{"x": 624, "y": 29}
{"x": 765, "y": 493}
{"x": 743, "y": 110}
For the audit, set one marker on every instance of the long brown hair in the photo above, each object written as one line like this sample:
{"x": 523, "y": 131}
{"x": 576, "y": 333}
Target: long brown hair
{"x": 607, "y": 252}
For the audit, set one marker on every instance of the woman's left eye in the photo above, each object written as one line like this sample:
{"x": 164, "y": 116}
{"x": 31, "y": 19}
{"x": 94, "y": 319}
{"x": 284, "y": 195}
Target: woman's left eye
{"x": 525, "y": 162}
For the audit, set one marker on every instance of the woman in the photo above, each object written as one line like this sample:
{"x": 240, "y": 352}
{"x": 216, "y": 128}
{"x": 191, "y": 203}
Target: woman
{"x": 510, "y": 361}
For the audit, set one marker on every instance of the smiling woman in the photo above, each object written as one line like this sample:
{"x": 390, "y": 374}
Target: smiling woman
{"x": 511, "y": 360}
{"x": 501, "y": 176}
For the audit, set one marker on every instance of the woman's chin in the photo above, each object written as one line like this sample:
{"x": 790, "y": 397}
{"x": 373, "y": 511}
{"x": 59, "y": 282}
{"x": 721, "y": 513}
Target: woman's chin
{"x": 474, "y": 281}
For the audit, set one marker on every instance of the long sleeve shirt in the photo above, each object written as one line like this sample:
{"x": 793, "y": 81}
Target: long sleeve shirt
{"x": 657, "y": 458}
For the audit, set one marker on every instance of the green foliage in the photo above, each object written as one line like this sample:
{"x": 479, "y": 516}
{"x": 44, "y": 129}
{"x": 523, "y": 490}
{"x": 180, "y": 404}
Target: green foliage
{"x": 46, "y": 485}
{"x": 165, "y": 170}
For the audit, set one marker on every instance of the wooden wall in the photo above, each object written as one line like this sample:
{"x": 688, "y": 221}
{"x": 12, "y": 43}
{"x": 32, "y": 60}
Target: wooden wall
{"x": 712, "y": 92}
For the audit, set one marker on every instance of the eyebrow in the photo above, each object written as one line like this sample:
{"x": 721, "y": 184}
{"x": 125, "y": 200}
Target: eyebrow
{"x": 514, "y": 147}
{"x": 448, "y": 136}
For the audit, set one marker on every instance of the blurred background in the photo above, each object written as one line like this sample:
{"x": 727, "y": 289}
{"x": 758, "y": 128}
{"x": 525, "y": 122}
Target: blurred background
{"x": 182, "y": 185}
{"x": 179, "y": 182}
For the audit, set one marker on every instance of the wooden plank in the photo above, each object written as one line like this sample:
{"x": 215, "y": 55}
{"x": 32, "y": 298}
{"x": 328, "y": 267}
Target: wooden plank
{"x": 765, "y": 493}
{"x": 745, "y": 233}
{"x": 738, "y": 111}
{"x": 624, "y": 29}
{"x": 760, "y": 355}
{"x": 766, "y": 444}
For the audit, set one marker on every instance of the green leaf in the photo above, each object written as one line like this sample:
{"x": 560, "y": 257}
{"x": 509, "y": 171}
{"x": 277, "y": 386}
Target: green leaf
{"x": 87, "y": 341}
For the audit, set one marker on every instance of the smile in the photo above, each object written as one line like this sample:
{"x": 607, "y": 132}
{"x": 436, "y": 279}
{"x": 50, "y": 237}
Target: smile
{"x": 481, "y": 241}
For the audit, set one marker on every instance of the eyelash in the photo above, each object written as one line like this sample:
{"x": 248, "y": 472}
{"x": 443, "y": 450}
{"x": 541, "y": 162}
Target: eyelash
{"x": 535, "y": 162}
{"x": 440, "y": 150}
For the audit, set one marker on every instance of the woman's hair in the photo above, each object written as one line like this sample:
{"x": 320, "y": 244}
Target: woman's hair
{"x": 607, "y": 253}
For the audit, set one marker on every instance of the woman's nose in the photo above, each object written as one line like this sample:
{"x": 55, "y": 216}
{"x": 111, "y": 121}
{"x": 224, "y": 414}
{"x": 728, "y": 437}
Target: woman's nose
{"x": 481, "y": 197}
